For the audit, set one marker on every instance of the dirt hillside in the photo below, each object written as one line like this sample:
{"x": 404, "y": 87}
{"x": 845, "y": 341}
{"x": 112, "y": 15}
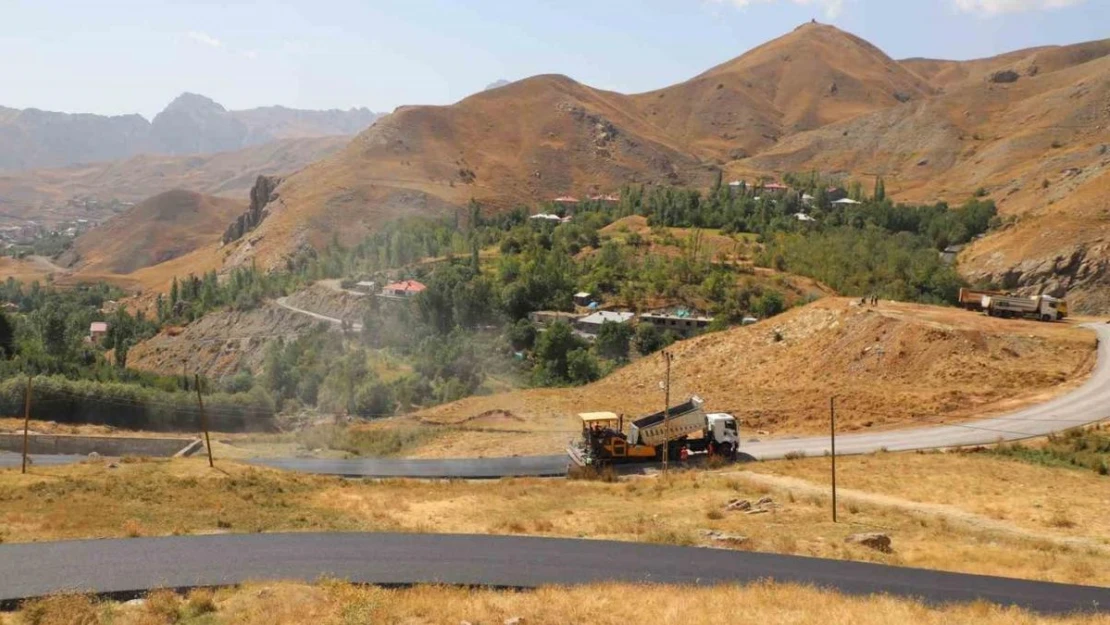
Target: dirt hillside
{"x": 535, "y": 139}
{"x": 220, "y": 343}
{"x": 808, "y": 78}
{"x": 161, "y": 228}
{"x": 889, "y": 366}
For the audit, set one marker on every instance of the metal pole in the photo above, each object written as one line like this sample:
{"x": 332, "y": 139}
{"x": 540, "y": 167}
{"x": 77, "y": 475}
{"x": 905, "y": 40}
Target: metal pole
{"x": 832, "y": 437}
{"x": 203, "y": 419}
{"x": 666, "y": 411}
{"x": 26, "y": 420}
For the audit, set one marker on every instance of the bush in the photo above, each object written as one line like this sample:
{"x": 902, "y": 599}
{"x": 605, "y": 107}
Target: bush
{"x": 613, "y": 340}
{"x": 648, "y": 339}
{"x": 582, "y": 367}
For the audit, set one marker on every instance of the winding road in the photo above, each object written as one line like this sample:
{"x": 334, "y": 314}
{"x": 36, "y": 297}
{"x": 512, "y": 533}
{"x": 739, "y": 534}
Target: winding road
{"x": 123, "y": 567}
{"x": 1087, "y": 404}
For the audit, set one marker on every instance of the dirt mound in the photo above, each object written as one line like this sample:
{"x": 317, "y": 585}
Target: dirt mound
{"x": 891, "y": 365}
{"x": 159, "y": 229}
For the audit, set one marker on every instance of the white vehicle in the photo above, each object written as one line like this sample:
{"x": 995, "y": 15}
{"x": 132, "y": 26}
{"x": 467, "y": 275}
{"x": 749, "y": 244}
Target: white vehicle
{"x": 719, "y": 431}
{"x": 1041, "y": 307}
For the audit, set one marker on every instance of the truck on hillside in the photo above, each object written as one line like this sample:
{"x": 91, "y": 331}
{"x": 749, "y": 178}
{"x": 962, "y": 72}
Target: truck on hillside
{"x": 1040, "y": 307}
{"x": 972, "y": 299}
{"x": 682, "y": 430}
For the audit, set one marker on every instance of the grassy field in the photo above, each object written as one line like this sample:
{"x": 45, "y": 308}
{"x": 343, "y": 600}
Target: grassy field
{"x": 962, "y": 512}
{"x": 335, "y": 602}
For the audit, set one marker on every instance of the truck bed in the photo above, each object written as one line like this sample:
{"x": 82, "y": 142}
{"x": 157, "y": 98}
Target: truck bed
{"x": 657, "y": 417}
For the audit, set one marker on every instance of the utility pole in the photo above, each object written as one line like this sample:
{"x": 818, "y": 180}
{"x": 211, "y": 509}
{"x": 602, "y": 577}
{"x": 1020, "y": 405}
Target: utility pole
{"x": 203, "y": 420}
{"x": 832, "y": 438}
{"x": 26, "y": 420}
{"x": 666, "y": 410}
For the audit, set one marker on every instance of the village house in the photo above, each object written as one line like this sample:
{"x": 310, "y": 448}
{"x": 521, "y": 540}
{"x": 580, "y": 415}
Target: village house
{"x": 402, "y": 289}
{"x": 681, "y": 323}
{"x": 97, "y": 331}
{"x": 582, "y": 298}
{"x": 591, "y": 324}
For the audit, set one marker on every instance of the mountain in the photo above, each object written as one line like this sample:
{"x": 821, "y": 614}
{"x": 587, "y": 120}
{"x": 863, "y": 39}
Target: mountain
{"x": 158, "y": 229}
{"x": 813, "y": 76}
{"x": 191, "y": 124}
{"x": 534, "y": 139}
{"x": 52, "y": 195}
{"x": 501, "y": 82}
{"x": 1029, "y": 129}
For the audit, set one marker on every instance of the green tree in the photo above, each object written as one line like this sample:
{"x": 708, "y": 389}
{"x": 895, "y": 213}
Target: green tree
{"x": 7, "y": 337}
{"x": 880, "y": 189}
{"x": 613, "y": 340}
{"x": 582, "y": 367}
{"x": 521, "y": 335}
{"x": 552, "y": 348}
{"x": 648, "y": 339}
{"x": 120, "y": 352}
{"x": 769, "y": 304}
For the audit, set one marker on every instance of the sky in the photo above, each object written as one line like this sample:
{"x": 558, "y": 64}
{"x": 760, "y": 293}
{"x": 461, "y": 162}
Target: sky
{"x": 119, "y": 57}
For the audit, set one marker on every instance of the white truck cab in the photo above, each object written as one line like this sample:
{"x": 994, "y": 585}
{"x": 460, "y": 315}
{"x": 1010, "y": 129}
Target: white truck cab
{"x": 723, "y": 429}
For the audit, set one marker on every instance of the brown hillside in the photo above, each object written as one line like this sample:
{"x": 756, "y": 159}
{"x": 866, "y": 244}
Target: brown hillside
{"x": 161, "y": 228}
{"x": 813, "y": 76}
{"x": 534, "y": 139}
{"x": 888, "y": 366}
{"x": 1036, "y": 145}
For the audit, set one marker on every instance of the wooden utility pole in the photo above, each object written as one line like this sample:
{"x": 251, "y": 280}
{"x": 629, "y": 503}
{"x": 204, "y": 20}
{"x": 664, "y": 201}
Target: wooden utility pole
{"x": 26, "y": 420}
{"x": 203, "y": 420}
{"x": 666, "y": 410}
{"x": 832, "y": 438}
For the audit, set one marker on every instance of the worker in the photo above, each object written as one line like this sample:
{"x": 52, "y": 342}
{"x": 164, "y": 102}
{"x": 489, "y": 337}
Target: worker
{"x": 683, "y": 454}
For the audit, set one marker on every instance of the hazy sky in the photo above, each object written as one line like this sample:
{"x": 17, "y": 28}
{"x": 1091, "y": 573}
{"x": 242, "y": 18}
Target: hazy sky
{"x": 116, "y": 56}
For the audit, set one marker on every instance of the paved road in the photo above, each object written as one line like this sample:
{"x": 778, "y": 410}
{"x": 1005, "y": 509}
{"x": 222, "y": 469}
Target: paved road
{"x": 284, "y": 303}
{"x": 1088, "y": 404}
{"x": 124, "y": 566}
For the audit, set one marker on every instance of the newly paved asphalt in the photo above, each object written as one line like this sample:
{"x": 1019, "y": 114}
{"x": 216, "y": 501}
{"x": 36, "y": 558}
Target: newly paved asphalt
{"x": 1088, "y": 404}
{"x": 124, "y": 566}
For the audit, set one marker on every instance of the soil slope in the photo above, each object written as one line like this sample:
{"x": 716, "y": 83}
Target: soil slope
{"x": 806, "y": 79}
{"x": 161, "y": 228}
{"x": 890, "y": 365}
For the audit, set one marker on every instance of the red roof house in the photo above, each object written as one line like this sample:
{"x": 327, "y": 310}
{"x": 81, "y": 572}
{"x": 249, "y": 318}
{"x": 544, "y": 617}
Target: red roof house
{"x": 404, "y": 288}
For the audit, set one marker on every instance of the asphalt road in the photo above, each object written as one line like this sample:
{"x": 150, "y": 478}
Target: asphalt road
{"x": 1088, "y": 404}
{"x": 124, "y": 566}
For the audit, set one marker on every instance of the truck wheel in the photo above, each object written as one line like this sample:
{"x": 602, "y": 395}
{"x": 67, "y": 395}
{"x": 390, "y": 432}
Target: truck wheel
{"x": 726, "y": 450}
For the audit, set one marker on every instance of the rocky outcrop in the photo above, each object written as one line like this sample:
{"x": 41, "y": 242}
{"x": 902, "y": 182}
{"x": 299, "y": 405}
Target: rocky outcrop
{"x": 1005, "y": 76}
{"x": 263, "y": 192}
{"x": 1082, "y": 274}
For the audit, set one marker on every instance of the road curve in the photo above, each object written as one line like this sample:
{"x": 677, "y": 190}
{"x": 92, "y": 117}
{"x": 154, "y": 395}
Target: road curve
{"x": 1089, "y": 403}
{"x": 284, "y": 303}
{"x": 125, "y": 566}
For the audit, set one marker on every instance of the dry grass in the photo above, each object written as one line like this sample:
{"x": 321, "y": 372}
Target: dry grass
{"x": 993, "y": 528}
{"x": 289, "y": 603}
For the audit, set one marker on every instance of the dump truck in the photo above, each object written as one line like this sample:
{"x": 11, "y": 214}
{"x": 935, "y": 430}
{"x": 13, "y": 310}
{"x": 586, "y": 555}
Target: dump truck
{"x": 1040, "y": 307}
{"x": 972, "y": 299}
{"x": 682, "y": 430}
